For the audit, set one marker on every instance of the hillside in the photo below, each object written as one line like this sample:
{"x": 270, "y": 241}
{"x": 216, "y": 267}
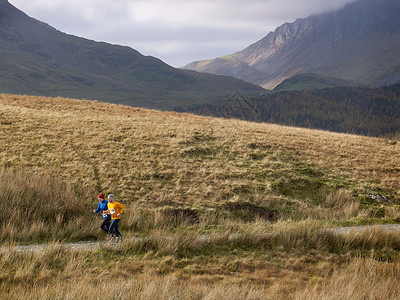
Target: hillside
{"x": 373, "y": 112}
{"x": 359, "y": 43}
{"x": 157, "y": 157}
{"x": 215, "y": 209}
{"x": 37, "y": 59}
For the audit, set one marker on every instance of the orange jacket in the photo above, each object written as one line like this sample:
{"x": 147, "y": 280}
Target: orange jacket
{"x": 114, "y": 209}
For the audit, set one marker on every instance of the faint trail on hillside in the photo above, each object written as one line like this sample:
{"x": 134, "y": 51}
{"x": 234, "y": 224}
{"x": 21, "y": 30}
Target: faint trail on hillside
{"x": 85, "y": 159}
{"x": 95, "y": 245}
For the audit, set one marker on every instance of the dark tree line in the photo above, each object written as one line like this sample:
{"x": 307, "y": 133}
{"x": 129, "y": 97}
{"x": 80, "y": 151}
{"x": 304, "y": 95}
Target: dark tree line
{"x": 372, "y": 112}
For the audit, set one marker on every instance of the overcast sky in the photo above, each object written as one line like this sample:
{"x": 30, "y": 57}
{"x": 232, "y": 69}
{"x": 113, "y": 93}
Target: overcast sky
{"x": 176, "y": 31}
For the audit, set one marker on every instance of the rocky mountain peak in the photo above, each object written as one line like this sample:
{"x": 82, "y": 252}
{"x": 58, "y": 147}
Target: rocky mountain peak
{"x": 344, "y": 44}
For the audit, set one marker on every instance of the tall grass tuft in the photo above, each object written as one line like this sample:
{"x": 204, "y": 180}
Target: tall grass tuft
{"x": 363, "y": 278}
{"x": 37, "y": 208}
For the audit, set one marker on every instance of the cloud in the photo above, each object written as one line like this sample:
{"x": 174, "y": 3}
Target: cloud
{"x": 176, "y": 31}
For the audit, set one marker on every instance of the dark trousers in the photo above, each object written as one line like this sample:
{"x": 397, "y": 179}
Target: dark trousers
{"x": 114, "y": 227}
{"x": 106, "y": 224}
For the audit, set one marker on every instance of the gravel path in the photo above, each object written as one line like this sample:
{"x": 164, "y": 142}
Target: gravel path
{"x": 89, "y": 246}
{"x": 359, "y": 229}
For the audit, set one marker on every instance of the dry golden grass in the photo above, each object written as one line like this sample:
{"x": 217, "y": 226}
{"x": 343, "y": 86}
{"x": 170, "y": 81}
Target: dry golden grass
{"x": 152, "y": 160}
{"x": 36, "y": 208}
{"x": 166, "y": 158}
{"x": 59, "y": 274}
{"x": 361, "y": 279}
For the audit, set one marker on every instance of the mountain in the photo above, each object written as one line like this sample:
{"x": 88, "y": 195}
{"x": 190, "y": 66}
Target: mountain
{"x": 37, "y": 59}
{"x": 359, "y": 43}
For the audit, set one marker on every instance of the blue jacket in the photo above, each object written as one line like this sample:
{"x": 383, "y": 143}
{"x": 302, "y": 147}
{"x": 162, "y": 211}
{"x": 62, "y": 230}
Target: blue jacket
{"x": 102, "y": 207}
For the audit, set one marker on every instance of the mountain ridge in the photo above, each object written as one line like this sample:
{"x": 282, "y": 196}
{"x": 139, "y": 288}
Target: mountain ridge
{"x": 38, "y": 59}
{"x": 332, "y": 44}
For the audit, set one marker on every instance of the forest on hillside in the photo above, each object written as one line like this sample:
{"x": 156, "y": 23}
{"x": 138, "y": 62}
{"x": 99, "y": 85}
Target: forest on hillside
{"x": 371, "y": 112}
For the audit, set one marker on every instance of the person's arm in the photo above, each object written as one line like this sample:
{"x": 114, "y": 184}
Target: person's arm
{"x": 121, "y": 207}
{"x": 98, "y": 209}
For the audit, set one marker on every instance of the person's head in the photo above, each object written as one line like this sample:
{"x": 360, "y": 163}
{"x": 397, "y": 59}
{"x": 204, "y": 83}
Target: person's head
{"x": 111, "y": 198}
{"x": 100, "y": 197}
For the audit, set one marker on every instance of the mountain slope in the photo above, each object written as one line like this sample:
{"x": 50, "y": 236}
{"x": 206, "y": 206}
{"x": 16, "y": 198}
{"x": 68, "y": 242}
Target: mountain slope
{"x": 374, "y": 112}
{"x": 310, "y": 82}
{"x": 358, "y": 43}
{"x": 38, "y": 59}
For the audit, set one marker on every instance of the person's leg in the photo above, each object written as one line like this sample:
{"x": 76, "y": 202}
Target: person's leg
{"x": 116, "y": 230}
{"x": 105, "y": 225}
{"x": 114, "y": 227}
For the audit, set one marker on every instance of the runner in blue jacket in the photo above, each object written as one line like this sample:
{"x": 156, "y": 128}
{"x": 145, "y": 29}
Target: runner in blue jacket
{"x": 102, "y": 207}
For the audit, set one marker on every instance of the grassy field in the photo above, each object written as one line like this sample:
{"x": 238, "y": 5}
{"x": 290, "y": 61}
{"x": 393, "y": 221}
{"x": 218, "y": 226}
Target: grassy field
{"x": 226, "y": 209}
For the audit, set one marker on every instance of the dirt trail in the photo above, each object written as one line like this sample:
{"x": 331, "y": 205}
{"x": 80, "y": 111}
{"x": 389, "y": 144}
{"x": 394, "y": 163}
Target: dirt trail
{"x": 91, "y": 246}
{"x": 359, "y": 229}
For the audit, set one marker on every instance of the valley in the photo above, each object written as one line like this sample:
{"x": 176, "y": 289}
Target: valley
{"x": 270, "y": 173}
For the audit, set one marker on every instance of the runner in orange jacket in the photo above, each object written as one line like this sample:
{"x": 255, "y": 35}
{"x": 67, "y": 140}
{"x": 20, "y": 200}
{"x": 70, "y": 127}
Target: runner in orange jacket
{"x": 115, "y": 209}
